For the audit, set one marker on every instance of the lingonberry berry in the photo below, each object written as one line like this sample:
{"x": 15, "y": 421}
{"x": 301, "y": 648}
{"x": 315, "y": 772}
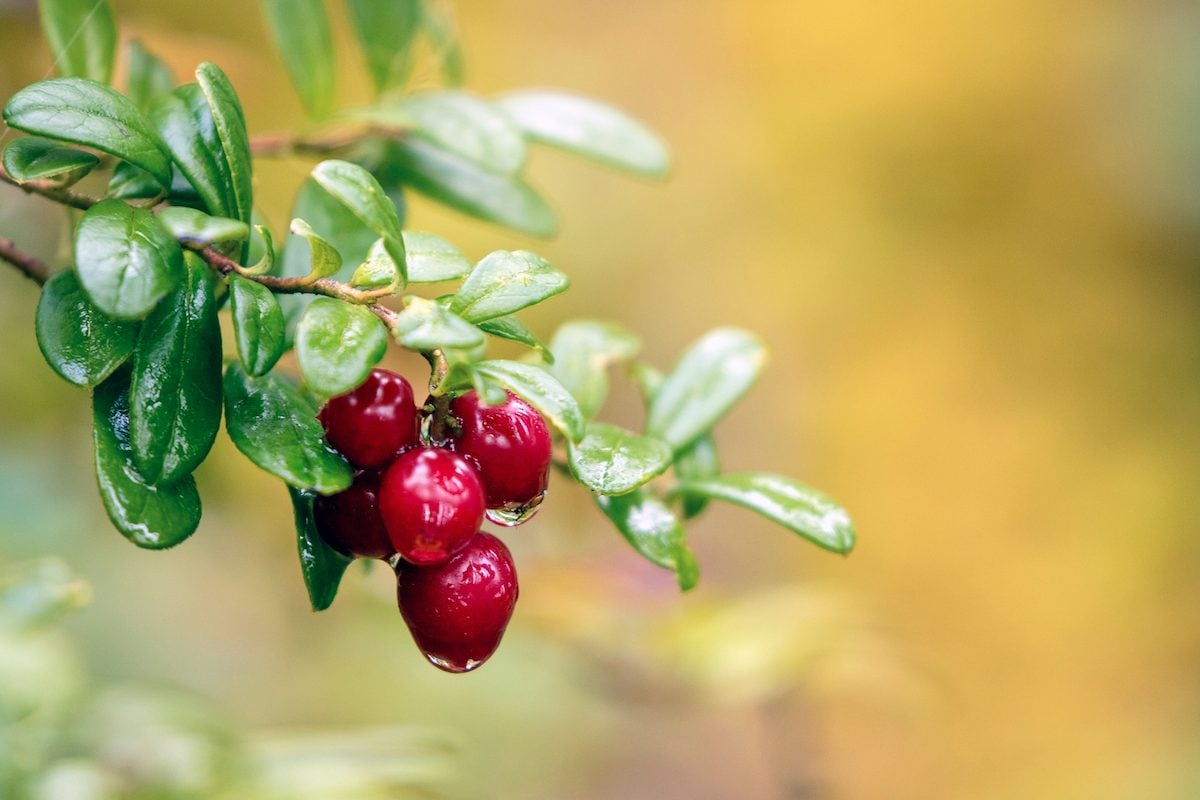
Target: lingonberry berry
{"x": 350, "y": 522}
{"x": 373, "y": 423}
{"x": 432, "y": 504}
{"x": 510, "y": 445}
{"x": 458, "y": 611}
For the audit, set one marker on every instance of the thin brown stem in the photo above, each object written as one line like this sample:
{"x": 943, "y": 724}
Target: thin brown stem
{"x": 33, "y": 268}
{"x": 280, "y": 145}
{"x": 49, "y": 191}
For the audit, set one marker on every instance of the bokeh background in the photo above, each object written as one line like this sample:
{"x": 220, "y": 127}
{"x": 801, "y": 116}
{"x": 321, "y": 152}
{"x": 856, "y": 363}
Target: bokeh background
{"x": 970, "y": 232}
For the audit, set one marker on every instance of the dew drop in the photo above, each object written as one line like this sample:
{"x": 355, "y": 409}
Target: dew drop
{"x": 513, "y": 514}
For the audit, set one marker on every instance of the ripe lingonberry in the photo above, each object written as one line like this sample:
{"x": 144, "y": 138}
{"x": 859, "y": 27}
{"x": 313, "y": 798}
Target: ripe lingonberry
{"x": 458, "y": 611}
{"x": 510, "y": 445}
{"x": 373, "y": 423}
{"x": 432, "y": 504}
{"x": 350, "y": 522}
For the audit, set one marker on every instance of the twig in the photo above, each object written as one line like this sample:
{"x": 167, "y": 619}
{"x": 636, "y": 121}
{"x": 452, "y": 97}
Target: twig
{"x": 48, "y": 190}
{"x": 33, "y": 268}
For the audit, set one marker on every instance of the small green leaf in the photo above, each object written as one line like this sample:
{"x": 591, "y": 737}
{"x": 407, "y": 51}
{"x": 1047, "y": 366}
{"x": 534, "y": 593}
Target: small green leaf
{"x": 424, "y": 325}
{"x": 127, "y": 260}
{"x": 257, "y": 324}
{"x": 149, "y": 77}
{"x": 32, "y": 158}
{"x": 175, "y": 390}
{"x": 583, "y": 351}
{"x": 185, "y": 122}
{"x": 93, "y": 115}
{"x": 796, "y": 507}
{"x": 276, "y": 428}
{"x": 588, "y": 128}
{"x": 264, "y": 248}
{"x": 440, "y": 26}
{"x": 462, "y": 185}
{"x": 326, "y": 260}
{"x": 234, "y": 143}
{"x": 195, "y": 227}
{"x": 538, "y": 388}
{"x": 505, "y": 282}
{"x": 154, "y": 517}
{"x": 300, "y": 30}
{"x": 707, "y": 380}
{"x": 432, "y": 259}
{"x": 386, "y": 32}
{"x": 321, "y": 565}
{"x": 648, "y": 380}
{"x": 338, "y": 344}
{"x": 612, "y": 460}
{"x": 697, "y": 461}
{"x": 135, "y": 185}
{"x": 335, "y": 224}
{"x": 82, "y": 36}
{"x": 378, "y": 271}
{"x": 654, "y": 531}
{"x": 357, "y": 190}
{"x": 510, "y": 328}
{"x": 79, "y": 341}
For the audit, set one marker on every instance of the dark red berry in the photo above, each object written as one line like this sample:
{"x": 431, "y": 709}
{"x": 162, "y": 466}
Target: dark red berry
{"x": 350, "y": 522}
{"x": 510, "y": 445}
{"x": 373, "y": 423}
{"x": 432, "y": 504}
{"x": 458, "y": 611}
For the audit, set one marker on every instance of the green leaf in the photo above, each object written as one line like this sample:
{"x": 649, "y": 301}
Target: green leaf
{"x": 386, "y": 32}
{"x": 512, "y": 329}
{"x": 134, "y": 184}
{"x": 583, "y": 351}
{"x": 230, "y": 125}
{"x": 257, "y": 324}
{"x": 32, "y": 158}
{"x": 538, "y": 388}
{"x": 93, "y": 115}
{"x": 654, "y": 531}
{"x": 334, "y": 223}
{"x": 154, "y": 517}
{"x": 424, "y": 325}
{"x": 505, "y": 282}
{"x": 149, "y": 77}
{"x": 338, "y": 344}
{"x": 462, "y": 185}
{"x": 127, "y": 260}
{"x": 175, "y": 390}
{"x": 300, "y": 30}
{"x": 185, "y": 122}
{"x": 79, "y": 341}
{"x": 357, "y": 190}
{"x": 262, "y": 246}
{"x": 648, "y": 380}
{"x": 588, "y": 128}
{"x": 321, "y": 565}
{"x": 378, "y": 271}
{"x": 196, "y": 227}
{"x": 796, "y": 507}
{"x": 612, "y": 460}
{"x": 82, "y": 36}
{"x": 697, "y": 461}
{"x": 439, "y": 25}
{"x": 326, "y": 260}
{"x": 432, "y": 259}
{"x": 708, "y": 379}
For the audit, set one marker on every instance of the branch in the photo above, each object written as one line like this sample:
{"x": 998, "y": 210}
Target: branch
{"x": 49, "y": 191}
{"x": 279, "y": 145}
{"x": 33, "y": 268}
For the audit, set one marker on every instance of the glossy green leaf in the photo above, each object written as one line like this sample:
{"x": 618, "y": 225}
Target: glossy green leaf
{"x": 338, "y": 344}
{"x": 127, "y": 260}
{"x": 796, "y": 507}
{"x": 357, "y": 190}
{"x": 654, "y": 531}
{"x": 185, "y": 122}
{"x": 326, "y": 260}
{"x": 588, "y": 128}
{"x": 697, "y": 461}
{"x": 583, "y": 351}
{"x": 32, "y": 158}
{"x": 79, "y": 341}
{"x": 300, "y": 30}
{"x": 134, "y": 184}
{"x": 82, "y": 36}
{"x": 538, "y": 388}
{"x": 230, "y": 125}
{"x": 93, "y": 115}
{"x": 612, "y": 460}
{"x": 432, "y": 259}
{"x": 386, "y": 32}
{"x": 175, "y": 390}
{"x": 257, "y": 324}
{"x": 425, "y": 325}
{"x": 196, "y": 227}
{"x": 262, "y": 248}
{"x": 512, "y": 329}
{"x": 276, "y": 428}
{"x": 505, "y": 282}
{"x": 149, "y": 77}
{"x": 321, "y": 565}
{"x": 334, "y": 223}
{"x": 462, "y": 185}
{"x": 707, "y": 380}
{"x": 154, "y": 517}
{"x": 378, "y": 271}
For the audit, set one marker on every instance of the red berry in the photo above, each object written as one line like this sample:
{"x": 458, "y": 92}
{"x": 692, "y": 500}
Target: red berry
{"x": 350, "y": 522}
{"x": 458, "y": 611}
{"x": 432, "y": 504}
{"x": 510, "y": 445}
{"x": 373, "y": 423}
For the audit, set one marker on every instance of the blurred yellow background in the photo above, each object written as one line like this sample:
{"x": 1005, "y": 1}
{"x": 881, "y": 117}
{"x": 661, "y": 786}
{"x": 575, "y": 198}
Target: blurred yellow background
{"x": 970, "y": 232}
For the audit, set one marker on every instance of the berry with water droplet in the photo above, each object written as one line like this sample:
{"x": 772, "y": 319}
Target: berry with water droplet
{"x": 350, "y": 522}
{"x": 432, "y": 504}
{"x": 510, "y": 444}
{"x": 372, "y": 424}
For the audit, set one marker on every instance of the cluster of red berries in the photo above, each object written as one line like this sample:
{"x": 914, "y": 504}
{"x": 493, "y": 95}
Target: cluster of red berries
{"x": 419, "y": 497}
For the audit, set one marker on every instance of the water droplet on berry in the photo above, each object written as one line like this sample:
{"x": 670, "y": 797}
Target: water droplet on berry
{"x": 513, "y": 514}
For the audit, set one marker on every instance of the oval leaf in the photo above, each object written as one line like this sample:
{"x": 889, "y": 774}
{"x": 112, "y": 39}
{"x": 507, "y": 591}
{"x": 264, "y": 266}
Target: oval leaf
{"x": 230, "y": 125}
{"x": 708, "y": 379}
{"x": 79, "y": 341}
{"x": 195, "y": 227}
{"x": 536, "y": 387}
{"x": 127, "y": 260}
{"x": 796, "y": 507}
{"x": 273, "y": 426}
{"x": 82, "y": 36}
{"x": 386, "y": 32}
{"x": 612, "y": 460}
{"x": 504, "y": 282}
{"x": 357, "y": 190}
{"x": 512, "y": 329}
{"x": 378, "y": 271}
{"x": 257, "y": 324}
{"x": 432, "y": 259}
{"x": 424, "y": 325}
{"x": 338, "y": 344}
{"x": 321, "y": 565}
{"x": 32, "y": 158}
{"x": 300, "y": 30}
{"x": 185, "y": 123}
{"x": 583, "y": 350}
{"x": 654, "y": 531}
{"x": 697, "y": 461}
{"x": 154, "y": 517}
{"x": 149, "y": 77}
